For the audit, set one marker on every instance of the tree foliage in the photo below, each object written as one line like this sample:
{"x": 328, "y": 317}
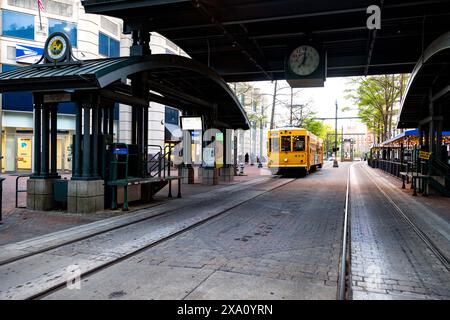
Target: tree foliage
{"x": 377, "y": 99}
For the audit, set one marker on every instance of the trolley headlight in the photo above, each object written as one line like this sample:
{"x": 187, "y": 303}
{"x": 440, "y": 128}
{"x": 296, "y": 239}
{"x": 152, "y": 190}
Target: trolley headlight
{"x": 285, "y": 159}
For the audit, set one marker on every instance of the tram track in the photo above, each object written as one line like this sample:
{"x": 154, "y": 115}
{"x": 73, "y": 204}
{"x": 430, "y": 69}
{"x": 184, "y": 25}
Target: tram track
{"x": 343, "y": 290}
{"x": 102, "y": 231}
{"x": 417, "y": 230}
{"x": 57, "y": 285}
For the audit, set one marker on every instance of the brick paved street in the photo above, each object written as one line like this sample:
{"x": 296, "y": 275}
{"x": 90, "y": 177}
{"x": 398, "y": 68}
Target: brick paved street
{"x": 20, "y": 224}
{"x": 282, "y": 245}
{"x": 272, "y": 238}
{"x": 389, "y": 261}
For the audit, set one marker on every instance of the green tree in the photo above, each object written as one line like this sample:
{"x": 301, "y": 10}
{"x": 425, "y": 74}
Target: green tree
{"x": 377, "y": 98}
{"x": 316, "y": 127}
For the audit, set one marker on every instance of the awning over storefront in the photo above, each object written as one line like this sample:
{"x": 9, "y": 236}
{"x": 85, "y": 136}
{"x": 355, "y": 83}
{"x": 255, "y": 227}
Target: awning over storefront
{"x": 405, "y": 134}
{"x": 172, "y": 132}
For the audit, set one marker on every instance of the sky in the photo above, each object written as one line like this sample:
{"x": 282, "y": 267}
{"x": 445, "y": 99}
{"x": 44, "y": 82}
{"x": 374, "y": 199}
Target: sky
{"x": 322, "y": 99}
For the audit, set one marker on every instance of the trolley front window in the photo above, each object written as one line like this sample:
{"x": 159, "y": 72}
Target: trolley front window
{"x": 274, "y": 145}
{"x": 285, "y": 143}
{"x": 299, "y": 143}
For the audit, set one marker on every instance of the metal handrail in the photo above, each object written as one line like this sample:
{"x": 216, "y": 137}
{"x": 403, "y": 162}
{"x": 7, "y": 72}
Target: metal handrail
{"x": 1, "y": 198}
{"x": 19, "y": 191}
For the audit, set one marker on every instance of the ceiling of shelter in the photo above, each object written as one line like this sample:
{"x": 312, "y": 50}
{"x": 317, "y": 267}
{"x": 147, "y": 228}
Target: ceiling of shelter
{"x": 429, "y": 80}
{"x": 248, "y": 40}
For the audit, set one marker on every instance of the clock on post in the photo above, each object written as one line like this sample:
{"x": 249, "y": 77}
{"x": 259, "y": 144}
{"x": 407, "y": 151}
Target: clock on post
{"x": 57, "y": 48}
{"x": 306, "y": 66}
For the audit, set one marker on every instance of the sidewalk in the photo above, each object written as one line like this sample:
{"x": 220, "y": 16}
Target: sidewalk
{"x": 22, "y": 224}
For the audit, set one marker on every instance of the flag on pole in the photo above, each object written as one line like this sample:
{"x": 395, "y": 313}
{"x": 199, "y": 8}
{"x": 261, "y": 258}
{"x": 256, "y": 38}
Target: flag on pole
{"x": 40, "y": 5}
{"x": 40, "y": 8}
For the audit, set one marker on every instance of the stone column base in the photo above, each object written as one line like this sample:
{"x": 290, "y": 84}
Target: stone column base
{"x": 210, "y": 176}
{"x": 40, "y": 194}
{"x": 227, "y": 174}
{"x": 187, "y": 174}
{"x": 86, "y": 196}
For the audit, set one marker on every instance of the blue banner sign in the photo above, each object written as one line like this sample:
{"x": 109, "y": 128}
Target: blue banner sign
{"x": 120, "y": 151}
{"x": 28, "y": 54}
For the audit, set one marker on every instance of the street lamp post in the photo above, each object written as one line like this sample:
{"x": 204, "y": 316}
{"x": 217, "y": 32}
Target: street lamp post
{"x": 335, "y": 162}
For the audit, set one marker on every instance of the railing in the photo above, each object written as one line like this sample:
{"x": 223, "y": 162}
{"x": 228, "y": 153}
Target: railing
{"x": 1, "y": 198}
{"x": 160, "y": 163}
{"x": 20, "y": 191}
{"x": 391, "y": 167}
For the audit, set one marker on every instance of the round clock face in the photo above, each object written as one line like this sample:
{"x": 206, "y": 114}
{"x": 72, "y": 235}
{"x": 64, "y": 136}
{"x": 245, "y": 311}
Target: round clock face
{"x": 57, "y": 47}
{"x": 304, "y": 60}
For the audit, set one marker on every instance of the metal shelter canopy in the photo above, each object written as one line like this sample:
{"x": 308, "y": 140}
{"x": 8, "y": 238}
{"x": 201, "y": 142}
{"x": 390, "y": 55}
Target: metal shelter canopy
{"x": 429, "y": 83}
{"x": 248, "y": 40}
{"x": 173, "y": 80}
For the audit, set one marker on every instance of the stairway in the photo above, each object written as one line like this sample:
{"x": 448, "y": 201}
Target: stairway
{"x": 440, "y": 177}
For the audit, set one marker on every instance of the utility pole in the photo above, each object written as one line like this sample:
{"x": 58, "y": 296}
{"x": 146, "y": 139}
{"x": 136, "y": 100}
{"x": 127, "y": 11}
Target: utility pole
{"x": 292, "y": 96}
{"x": 261, "y": 132}
{"x": 335, "y": 162}
{"x": 272, "y": 116}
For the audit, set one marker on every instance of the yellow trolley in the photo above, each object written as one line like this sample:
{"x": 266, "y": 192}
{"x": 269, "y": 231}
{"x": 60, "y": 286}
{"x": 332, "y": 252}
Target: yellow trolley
{"x": 294, "y": 151}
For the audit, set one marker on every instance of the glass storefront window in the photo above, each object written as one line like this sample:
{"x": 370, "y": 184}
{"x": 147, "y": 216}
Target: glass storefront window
{"x": 299, "y": 143}
{"x": 70, "y": 29}
{"x": 285, "y": 143}
{"x": 18, "y": 25}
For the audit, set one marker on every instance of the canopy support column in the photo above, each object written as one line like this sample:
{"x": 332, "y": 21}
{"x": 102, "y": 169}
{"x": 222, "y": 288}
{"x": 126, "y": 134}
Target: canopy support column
{"x": 95, "y": 123}
{"x": 54, "y": 142}
{"x": 111, "y": 121}
{"x": 145, "y": 110}
{"x": 45, "y": 141}
{"x": 37, "y": 134}
{"x": 105, "y": 120}
{"x": 77, "y": 142}
{"x": 86, "y": 142}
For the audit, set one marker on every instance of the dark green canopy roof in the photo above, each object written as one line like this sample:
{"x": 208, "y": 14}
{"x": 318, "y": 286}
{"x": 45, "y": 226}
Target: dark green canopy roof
{"x": 179, "y": 82}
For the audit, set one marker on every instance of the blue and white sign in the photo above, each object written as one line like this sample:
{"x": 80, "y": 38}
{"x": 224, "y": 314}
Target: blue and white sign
{"x": 28, "y": 54}
{"x": 196, "y": 135}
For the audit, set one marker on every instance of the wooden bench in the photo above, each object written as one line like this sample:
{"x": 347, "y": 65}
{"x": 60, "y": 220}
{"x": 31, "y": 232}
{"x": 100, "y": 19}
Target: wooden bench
{"x": 138, "y": 181}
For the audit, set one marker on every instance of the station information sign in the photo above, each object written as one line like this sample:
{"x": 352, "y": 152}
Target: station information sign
{"x": 191, "y": 123}
{"x": 424, "y": 155}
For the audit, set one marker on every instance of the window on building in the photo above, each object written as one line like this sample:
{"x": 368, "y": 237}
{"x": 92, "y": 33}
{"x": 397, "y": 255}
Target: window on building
{"x": 298, "y": 143}
{"x": 70, "y": 29}
{"x": 108, "y": 46}
{"x": 171, "y": 115}
{"x": 18, "y": 25}
{"x": 285, "y": 143}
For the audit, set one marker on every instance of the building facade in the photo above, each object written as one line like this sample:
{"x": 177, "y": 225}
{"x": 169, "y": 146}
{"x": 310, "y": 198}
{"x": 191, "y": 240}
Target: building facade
{"x": 23, "y": 32}
{"x": 254, "y": 141}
